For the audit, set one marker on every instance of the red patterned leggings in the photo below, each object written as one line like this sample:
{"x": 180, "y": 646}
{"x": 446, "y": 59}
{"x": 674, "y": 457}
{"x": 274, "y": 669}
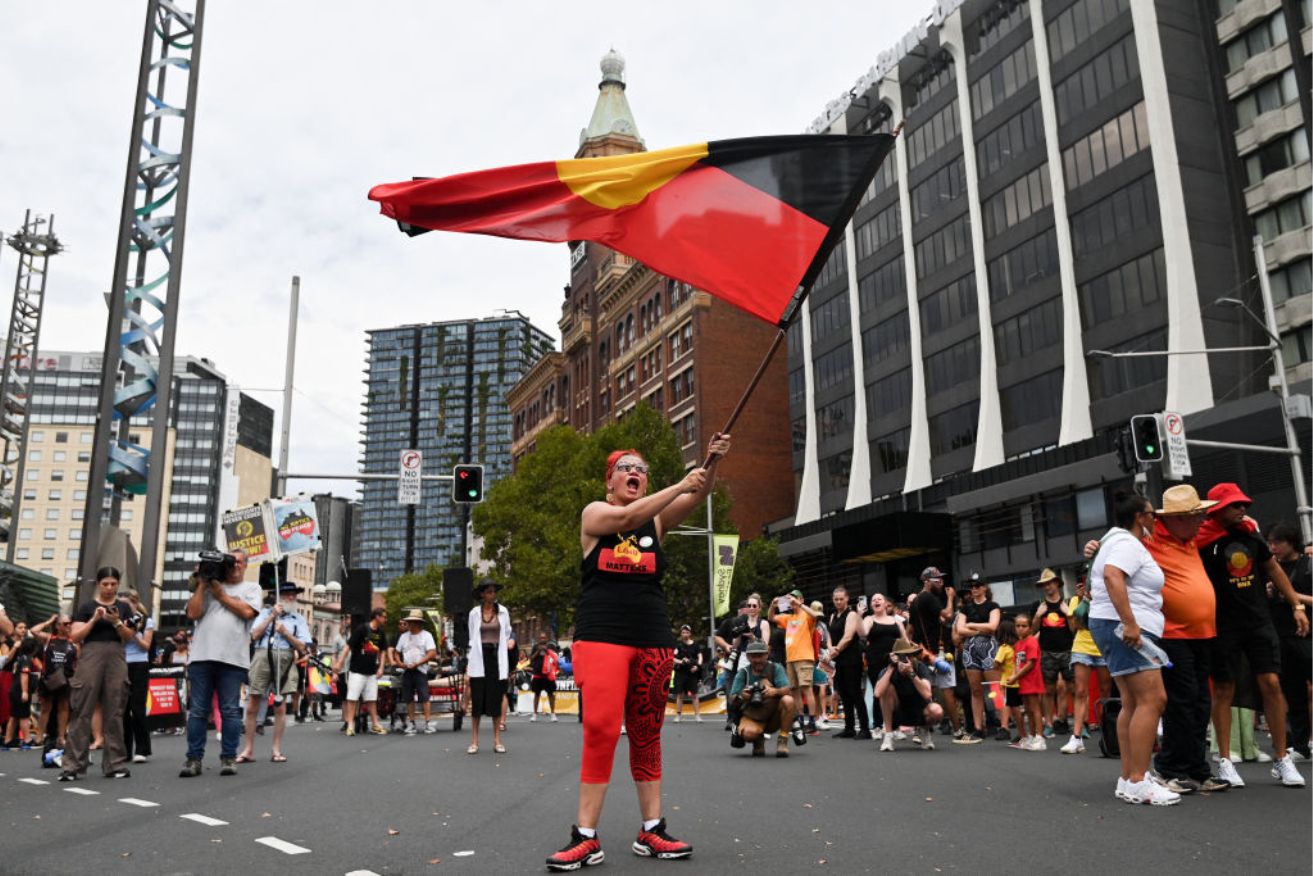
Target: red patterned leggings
{"x": 622, "y": 683}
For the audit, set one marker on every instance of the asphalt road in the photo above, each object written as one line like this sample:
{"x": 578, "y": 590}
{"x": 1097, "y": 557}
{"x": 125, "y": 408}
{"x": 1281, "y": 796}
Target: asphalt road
{"x": 395, "y": 804}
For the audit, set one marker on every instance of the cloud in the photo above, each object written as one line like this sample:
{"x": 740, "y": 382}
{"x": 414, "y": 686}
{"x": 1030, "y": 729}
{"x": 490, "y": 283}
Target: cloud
{"x": 304, "y": 105}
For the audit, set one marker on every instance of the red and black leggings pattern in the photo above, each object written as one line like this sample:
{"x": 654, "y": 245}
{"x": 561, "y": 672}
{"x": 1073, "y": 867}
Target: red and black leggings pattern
{"x": 620, "y": 683}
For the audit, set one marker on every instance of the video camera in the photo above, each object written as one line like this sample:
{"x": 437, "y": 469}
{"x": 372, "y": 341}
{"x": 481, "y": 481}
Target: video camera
{"x": 215, "y": 565}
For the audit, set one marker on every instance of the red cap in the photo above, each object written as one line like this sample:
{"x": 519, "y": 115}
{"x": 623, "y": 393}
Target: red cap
{"x": 1225, "y": 494}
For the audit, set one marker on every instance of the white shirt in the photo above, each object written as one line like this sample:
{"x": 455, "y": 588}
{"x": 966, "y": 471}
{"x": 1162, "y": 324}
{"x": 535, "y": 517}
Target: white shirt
{"x": 1144, "y": 581}
{"x": 221, "y": 635}
{"x": 413, "y": 646}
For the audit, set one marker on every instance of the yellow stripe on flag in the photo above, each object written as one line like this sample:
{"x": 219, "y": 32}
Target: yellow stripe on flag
{"x": 614, "y": 181}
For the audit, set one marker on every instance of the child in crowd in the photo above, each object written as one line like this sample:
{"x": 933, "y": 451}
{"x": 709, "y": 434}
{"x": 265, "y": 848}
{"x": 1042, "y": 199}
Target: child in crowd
{"x": 1030, "y": 681}
{"x": 1005, "y": 661}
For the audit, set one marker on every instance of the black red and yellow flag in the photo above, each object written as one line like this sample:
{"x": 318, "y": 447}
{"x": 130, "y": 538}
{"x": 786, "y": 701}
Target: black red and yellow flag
{"x": 750, "y": 221}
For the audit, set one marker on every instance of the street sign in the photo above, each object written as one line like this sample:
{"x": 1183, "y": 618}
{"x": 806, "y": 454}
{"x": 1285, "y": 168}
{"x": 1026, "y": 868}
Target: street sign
{"x": 1176, "y": 456}
{"x": 408, "y": 484}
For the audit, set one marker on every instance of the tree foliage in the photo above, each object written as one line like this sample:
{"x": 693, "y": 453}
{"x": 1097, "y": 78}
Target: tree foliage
{"x": 530, "y": 522}
{"x": 412, "y": 590}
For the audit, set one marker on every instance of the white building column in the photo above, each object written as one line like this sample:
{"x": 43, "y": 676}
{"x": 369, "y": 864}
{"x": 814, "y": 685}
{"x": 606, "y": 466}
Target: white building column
{"x": 1189, "y": 383}
{"x": 1075, "y": 425}
{"x": 917, "y": 474}
{"x": 989, "y": 426}
{"x": 809, "y": 493}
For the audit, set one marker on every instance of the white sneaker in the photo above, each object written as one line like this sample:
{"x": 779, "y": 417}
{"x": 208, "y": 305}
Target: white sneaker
{"x": 1263, "y": 757}
{"x": 899, "y": 735}
{"x": 822, "y": 723}
{"x": 430, "y": 728}
{"x": 139, "y": 758}
{"x": 409, "y": 731}
{"x": 876, "y": 734}
{"x": 1074, "y": 746}
{"x": 1036, "y": 743}
{"x": 697, "y": 718}
{"x": 1227, "y": 772}
{"x": 678, "y": 718}
{"x": 1120, "y": 793}
{"x": 1151, "y": 793}
{"x": 927, "y": 740}
{"x": 533, "y": 718}
{"x": 888, "y": 743}
{"x": 554, "y": 718}
{"x": 1285, "y": 770}
{"x": 1295, "y": 755}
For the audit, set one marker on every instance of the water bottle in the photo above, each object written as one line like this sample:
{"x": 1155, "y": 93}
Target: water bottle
{"x": 1156, "y": 656}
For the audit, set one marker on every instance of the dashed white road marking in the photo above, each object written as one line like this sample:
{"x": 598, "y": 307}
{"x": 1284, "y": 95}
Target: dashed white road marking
{"x": 133, "y": 801}
{"x": 203, "y": 819}
{"x": 283, "y": 846}
{"x": 34, "y": 781}
{"x": 362, "y": 873}
{"x": 85, "y": 792}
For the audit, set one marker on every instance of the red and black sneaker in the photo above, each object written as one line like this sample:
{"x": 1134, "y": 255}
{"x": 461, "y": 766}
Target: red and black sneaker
{"x": 581, "y": 851}
{"x": 656, "y": 843}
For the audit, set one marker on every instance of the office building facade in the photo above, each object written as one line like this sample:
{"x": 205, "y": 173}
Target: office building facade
{"x": 439, "y": 388}
{"x": 1064, "y": 182}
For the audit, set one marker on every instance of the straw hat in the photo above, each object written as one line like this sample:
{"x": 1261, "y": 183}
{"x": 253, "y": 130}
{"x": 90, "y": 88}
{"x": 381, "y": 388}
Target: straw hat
{"x": 1046, "y": 576}
{"x": 415, "y": 615}
{"x": 1183, "y": 499}
{"x": 902, "y": 646}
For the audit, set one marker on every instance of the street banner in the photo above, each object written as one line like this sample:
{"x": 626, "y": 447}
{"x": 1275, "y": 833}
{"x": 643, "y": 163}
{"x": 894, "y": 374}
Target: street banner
{"x": 162, "y": 697}
{"x": 294, "y": 525}
{"x": 727, "y": 548}
{"x": 245, "y": 529}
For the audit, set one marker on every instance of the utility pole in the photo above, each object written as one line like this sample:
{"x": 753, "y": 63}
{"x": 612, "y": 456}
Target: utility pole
{"x": 289, "y": 368}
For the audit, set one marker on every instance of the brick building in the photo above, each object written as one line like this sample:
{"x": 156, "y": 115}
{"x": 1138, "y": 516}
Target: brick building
{"x": 630, "y": 334}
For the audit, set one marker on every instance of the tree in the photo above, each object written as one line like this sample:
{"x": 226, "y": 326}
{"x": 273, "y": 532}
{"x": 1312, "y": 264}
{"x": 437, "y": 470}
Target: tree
{"x": 413, "y": 590}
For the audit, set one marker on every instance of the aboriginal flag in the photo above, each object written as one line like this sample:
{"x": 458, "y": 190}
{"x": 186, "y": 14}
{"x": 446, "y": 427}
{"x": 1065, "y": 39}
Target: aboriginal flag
{"x": 750, "y": 221}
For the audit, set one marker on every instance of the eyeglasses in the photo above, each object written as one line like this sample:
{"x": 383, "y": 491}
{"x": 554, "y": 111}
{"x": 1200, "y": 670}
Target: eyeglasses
{"x": 636, "y": 467}
{"x": 752, "y": 605}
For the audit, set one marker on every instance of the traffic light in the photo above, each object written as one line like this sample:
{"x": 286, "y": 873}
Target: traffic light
{"x": 1146, "y": 438}
{"x": 467, "y": 484}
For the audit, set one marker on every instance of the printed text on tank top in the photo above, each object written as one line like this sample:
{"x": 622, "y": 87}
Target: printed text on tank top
{"x": 628, "y": 556}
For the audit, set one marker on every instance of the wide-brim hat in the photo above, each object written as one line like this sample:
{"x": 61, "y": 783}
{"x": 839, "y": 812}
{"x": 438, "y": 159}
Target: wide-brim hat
{"x": 902, "y": 646}
{"x": 1227, "y": 493}
{"x": 817, "y": 606}
{"x": 1046, "y": 576}
{"x": 415, "y": 616}
{"x": 290, "y": 587}
{"x": 1183, "y": 499}
{"x": 485, "y": 584}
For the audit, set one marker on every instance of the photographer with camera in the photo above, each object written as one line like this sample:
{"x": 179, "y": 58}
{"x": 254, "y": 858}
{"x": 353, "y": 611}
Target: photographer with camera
{"x": 760, "y": 703}
{"x": 222, "y": 604}
{"x": 101, "y": 677}
{"x": 280, "y": 634}
{"x": 906, "y": 695}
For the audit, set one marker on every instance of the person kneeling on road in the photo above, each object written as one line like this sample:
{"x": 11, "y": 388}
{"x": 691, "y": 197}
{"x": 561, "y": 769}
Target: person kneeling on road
{"x": 760, "y": 703}
{"x": 905, "y": 695}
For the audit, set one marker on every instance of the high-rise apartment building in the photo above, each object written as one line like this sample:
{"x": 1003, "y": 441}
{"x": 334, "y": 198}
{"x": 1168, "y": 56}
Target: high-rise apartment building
{"x": 336, "y": 517}
{"x": 1066, "y": 181}
{"x": 439, "y": 388}
{"x": 630, "y": 334}
{"x": 217, "y": 451}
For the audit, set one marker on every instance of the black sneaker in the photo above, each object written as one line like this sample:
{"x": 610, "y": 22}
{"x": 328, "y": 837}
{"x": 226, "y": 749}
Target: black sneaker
{"x": 580, "y": 851}
{"x": 1060, "y": 727}
{"x": 227, "y": 766}
{"x": 845, "y": 733}
{"x": 66, "y": 776}
{"x": 736, "y": 741}
{"x": 1003, "y": 735}
{"x": 119, "y": 773}
{"x": 190, "y": 770}
{"x": 863, "y": 734}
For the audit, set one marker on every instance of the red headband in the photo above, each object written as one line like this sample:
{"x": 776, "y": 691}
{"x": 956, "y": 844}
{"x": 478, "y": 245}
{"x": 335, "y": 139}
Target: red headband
{"x": 616, "y": 456}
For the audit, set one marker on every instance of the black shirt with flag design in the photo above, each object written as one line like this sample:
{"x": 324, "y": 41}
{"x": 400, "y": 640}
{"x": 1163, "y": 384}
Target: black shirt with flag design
{"x": 622, "y": 601}
{"x": 1235, "y": 566}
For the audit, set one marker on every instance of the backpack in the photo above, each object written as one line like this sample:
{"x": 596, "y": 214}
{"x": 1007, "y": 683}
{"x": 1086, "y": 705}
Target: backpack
{"x": 1109, "y": 708}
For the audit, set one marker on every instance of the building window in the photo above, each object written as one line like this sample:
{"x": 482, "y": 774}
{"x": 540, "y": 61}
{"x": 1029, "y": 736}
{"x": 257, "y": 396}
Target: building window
{"x": 1272, "y": 94}
{"x": 835, "y": 267}
{"x": 1291, "y": 214}
{"x": 81, "y": 475}
{"x": 878, "y": 231}
{"x": 1091, "y": 509}
{"x": 885, "y": 339}
{"x": 835, "y": 419}
{"x": 831, "y": 317}
{"x": 997, "y": 22}
{"x": 944, "y": 185}
{"x": 77, "y": 514}
{"x": 797, "y": 386}
{"x": 1002, "y": 81}
{"x": 1126, "y": 289}
{"x": 28, "y": 514}
{"x": 79, "y": 495}
{"x": 1291, "y": 280}
{"x": 949, "y": 305}
{"x": 1285, "y": 151}
{"x": 1032, "y": 401}
{"x": 886, "y": 283}
{"x": 681, "y": 386}
{"x": 33, "y": 474}
{"x": 34, "y": 456}
{"x": 1120, "y": 215}
{"x": 835, "y": 469}
{"x": 22, "y": 554}
{"x": 958, "y": 364}
{"x": 52, "y": 513}
{"x": 61, "y": 437}
{"x": 24, "y": 534}
{"x": 835, "y": 367}
{"x": 1028, "y": 332}
{"x": 684, "y": 430}
{"x": 1295, "y": 346}
{"x": 932, "y": 134}
{"x": 47, "y": 553}
{"x": 29, "y": 494}
{"x": 1018, "y": 202}
{"x": 1098, "y": 79}
{"x": 84, "y": 456}
{"x": 1259, "y": 38}
{"x": 50, "y": 534}
{"x": 37, "y": 435}
{"x": 1106, "y": 147}
{"x": 891, "y": 450}
{"x": 86, "y": 437}
{"x": 55, "y": 495}
{"x": 944, "y": 247}
{"x": 1000, "y": 146}
{"x": 1110, "y": 377}
{"x": 1074, "y": 25}
{"x": 889, "y": 395}
{"x": 126, "y": 514}
{"x": 60, "y": 456}
{"x": 1023, "y": 265}
{"x": 929, "y": 80}
{"x": 954, "y": 429}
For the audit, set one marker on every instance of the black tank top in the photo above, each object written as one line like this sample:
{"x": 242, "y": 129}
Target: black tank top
{"x": 621, "y": 601}
{"x": 880, "y": 644}
{"x": 851, "y": 655}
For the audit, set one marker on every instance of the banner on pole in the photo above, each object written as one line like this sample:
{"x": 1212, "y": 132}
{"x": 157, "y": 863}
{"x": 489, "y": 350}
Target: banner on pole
{"x": 727, "y": 548}
{"x": 295, "y": 525}
{"x": 244, "y": 529}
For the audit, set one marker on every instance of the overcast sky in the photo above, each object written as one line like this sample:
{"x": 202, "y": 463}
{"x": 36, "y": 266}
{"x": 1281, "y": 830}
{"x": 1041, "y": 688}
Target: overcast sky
{"x": 303, "y": 106}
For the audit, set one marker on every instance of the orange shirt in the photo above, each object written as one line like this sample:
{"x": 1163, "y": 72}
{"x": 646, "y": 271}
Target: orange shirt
{"x": 1189, "y": 603}
{"x": 798, "y": 628}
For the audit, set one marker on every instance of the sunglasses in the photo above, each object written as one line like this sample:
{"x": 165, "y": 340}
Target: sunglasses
{"x": 636, "y": 467}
